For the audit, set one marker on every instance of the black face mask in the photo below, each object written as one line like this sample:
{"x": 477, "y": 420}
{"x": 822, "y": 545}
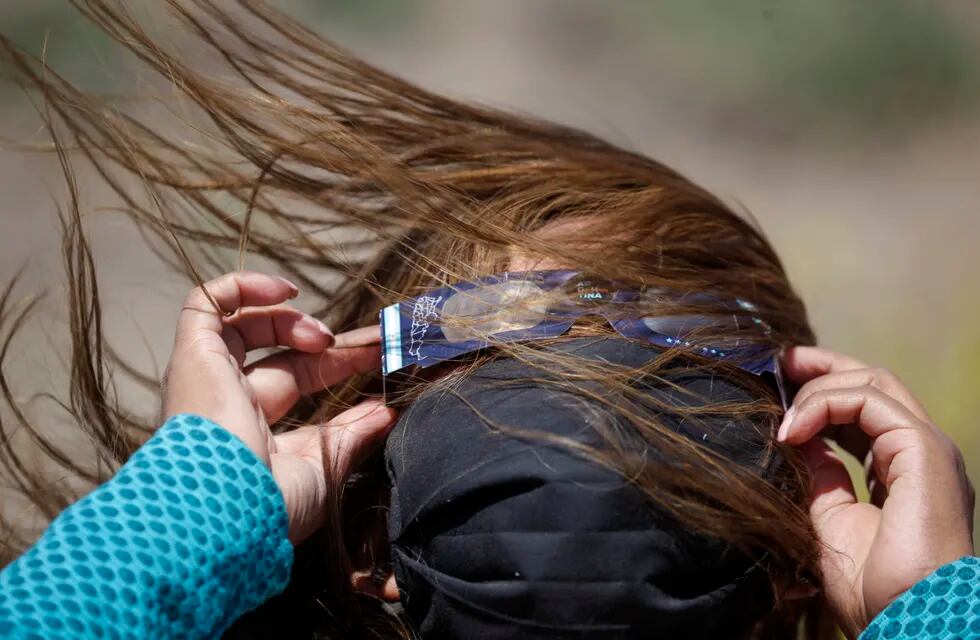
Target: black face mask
{"x": 499, "y": 535}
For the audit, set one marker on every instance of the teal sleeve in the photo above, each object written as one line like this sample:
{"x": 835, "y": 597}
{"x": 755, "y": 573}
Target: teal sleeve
{"x": 945, "y": 605}
{"x": 187, "y": 536}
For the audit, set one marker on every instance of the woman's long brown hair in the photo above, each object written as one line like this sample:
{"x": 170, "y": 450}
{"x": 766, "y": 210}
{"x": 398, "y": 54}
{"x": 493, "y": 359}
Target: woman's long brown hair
{"x": 365, "y": 189}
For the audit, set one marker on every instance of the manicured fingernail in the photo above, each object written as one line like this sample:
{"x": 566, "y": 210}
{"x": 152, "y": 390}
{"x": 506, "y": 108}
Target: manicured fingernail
{"x": 784, "y": 427}
{"x": 294, "y": 290}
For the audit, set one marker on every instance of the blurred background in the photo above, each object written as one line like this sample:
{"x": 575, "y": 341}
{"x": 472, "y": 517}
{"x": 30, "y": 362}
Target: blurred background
{"x": 850, "y": 131}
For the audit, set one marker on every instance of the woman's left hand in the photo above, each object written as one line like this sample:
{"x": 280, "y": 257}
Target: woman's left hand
{"x": 207, "y": 376}
{"x": 921, "y": 511}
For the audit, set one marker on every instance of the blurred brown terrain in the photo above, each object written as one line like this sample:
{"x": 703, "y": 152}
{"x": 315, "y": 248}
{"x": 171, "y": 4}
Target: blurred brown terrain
{"x": 850, "y": 131}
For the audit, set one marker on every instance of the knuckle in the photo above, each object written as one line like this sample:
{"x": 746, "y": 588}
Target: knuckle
{"x": 940, "y": 448}
{"x": 198, "y": 298}
{"x": 951, "y": 450}
{"x": 811, "y": 387}
{"x": 195, "y": 299}
{"x": 957, "y": 453}
{"x": 882, "y": 375}
{"x": 919, "y": 440}
{"x": 844, "y": 397}
{"x": 819, "y": 395}
{"x": 961, "y": 464}
{"x": 814, "y": 400}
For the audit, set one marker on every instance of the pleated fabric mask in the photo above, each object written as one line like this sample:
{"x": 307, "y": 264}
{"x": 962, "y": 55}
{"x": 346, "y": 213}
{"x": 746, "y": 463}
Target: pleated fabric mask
{"x": 498, "y": 535}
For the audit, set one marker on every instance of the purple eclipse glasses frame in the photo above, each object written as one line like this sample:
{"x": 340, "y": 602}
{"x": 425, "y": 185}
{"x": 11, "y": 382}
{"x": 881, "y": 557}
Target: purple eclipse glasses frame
{"x": 519, "y": 306}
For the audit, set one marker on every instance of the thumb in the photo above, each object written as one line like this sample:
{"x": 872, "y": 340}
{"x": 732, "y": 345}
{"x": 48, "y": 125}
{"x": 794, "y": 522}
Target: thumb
{"x": 831, "y": 488}
{"x": 845, "y": 530}
{"x": 350, "y": 437}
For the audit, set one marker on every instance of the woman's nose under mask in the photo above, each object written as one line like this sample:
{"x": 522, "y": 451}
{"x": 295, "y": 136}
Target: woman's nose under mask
{"x": 495, "y": 535}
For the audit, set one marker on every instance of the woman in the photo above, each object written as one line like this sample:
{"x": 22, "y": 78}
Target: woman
{"x": 368, "y": 191}
{"x": 174, "y": 593}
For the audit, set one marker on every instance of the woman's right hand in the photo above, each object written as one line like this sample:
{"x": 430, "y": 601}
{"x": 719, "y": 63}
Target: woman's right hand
{"x": 921, "y": 512}
{"x": 207, "y": 376}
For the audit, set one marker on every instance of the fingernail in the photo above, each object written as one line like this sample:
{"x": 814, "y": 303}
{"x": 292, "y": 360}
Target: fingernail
{"x": 787, "y": 422}
{"x": 323, "y": 328}
{"x": 294, "y": 290}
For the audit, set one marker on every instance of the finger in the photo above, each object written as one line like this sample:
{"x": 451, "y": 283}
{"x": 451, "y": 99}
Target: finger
{"x": 235, "y": 345}
{"x": 365, "y": 336}
{"x": 845, "y": 527}
{"x": 801, "y": 364}
{"x": 871, "y": 410}
{"x": 354, "y": 434}
{"x": 280, "y": 326}
{"x": 302, "y": 441}
{"x": 297, "y": 465}
{"x": 281, "y": 379}
{"x": 831, "y": 487}
{"x": 909, "y": 457}
{"x": 880, "y": 379}
{"x": 231, "y": 292}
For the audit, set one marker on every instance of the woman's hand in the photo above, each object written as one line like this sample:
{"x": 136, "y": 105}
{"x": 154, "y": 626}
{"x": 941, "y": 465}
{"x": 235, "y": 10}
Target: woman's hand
{"x": 921, "y": 512}
{"x": 206, "y": 376}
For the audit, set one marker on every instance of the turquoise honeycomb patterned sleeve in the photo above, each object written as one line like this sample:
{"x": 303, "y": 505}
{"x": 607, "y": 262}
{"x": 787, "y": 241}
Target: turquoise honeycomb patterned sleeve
{"x": 187, "y": 536}
{"x": 946, "y": 605}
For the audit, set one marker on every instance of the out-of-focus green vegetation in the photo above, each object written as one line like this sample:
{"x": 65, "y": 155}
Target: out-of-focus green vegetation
{"x": 952, "y": 394}
{"x": 69, "y": 43}
{"x": 82, "y": 53}
{"x": 857, "y": 66}
{"x": 365, "y": 15}
{"x": 833, "y": 65}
